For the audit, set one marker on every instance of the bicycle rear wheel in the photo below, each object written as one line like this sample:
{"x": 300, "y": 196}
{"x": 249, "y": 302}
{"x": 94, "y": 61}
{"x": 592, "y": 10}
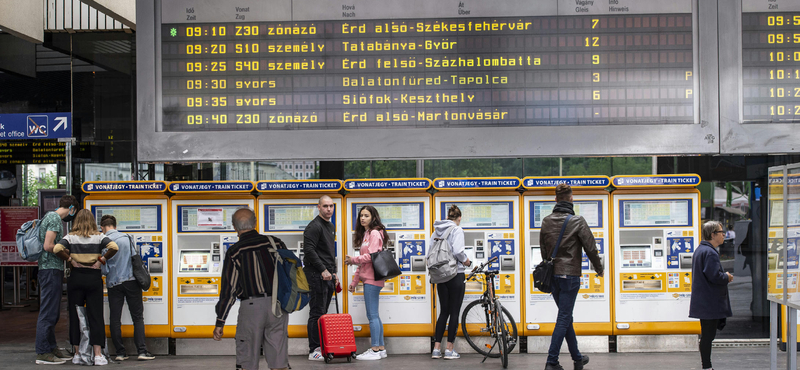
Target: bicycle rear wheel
{"x": 502, "y": 335}
{"x": 478, "y": 329}
{"x": 510, "y": 332}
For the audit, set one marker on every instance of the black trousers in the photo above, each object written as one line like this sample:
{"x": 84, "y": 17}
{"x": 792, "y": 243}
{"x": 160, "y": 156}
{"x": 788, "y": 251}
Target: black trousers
{"x": 131, "y": 292}
{"x": 708, "y": 331}
{"x": 451, "y": 296}
{"x": 85, "y": 288}
{"x": 320, "y": 300}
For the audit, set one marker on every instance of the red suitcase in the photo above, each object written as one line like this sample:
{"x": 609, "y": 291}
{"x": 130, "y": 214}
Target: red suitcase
{"x": 336, "y": 335}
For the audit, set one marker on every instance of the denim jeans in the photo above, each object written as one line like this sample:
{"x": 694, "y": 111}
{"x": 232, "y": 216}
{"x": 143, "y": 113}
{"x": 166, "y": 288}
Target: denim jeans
{"x": 565, "y": 291}
{"x": 117, "y": 296}
{"x": 372, "y": 295}
{"x": 49, "y": 309}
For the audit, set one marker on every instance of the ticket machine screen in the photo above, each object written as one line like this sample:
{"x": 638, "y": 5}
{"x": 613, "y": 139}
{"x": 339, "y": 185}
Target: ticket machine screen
{"x": 477, "y": 215}
{"x": 206, "y": 218}
{"x": 589, "y": 210}
{"x": 140, "y": 218}
{"x": 289, "y": 217}
{"x": 636, "y": 256}
{"x": 656, "y": 213}
{"x": 195, "y": 261}
{"x": 396, "y": 216}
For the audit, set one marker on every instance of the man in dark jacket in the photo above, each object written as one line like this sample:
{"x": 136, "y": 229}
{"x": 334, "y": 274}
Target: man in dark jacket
{"x": 710, "y": 302}
{"x": 567, "y": 271}
{"x": 319, "y": 264}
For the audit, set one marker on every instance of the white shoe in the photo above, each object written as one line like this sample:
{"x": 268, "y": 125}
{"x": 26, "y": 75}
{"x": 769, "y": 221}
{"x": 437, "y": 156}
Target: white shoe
{"x": 383, "y": 353}
{"x": 369, "y": 355}
{"x": 100, "y": 361}
{"x": 316, "y": 355}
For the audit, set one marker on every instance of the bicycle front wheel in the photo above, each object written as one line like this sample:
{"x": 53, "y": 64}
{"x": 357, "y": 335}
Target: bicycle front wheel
{"x": 478, "y": 329}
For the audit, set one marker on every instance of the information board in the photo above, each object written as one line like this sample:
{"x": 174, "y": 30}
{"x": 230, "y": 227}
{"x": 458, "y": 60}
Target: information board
{"x": 770, "y": 57}
{"x": 11, "y": 218}
{"x": 289, "y": 217}
{"x": 483, "y": 215}
{"x": 395, "y": 216}
{"x": 589, "y": 210}
{"x": 250, "y": 67}
{"x": 776, "y": 213}
{"x": 656, "y": 213}
{"x": 137, "y": 218}
{"x": 210, "y": 218}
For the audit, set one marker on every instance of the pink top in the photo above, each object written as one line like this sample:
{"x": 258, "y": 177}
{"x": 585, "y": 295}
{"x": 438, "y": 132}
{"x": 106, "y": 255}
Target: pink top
{"x": 373, "y": 242}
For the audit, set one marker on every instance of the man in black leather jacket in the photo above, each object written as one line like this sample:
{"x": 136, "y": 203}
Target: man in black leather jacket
{"x": 567, "y": 271}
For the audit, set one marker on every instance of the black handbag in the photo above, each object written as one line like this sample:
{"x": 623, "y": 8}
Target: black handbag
{"x": 140, "y": 272}
{"x": 543, "y": 273}
{"x": 384, "y": 265}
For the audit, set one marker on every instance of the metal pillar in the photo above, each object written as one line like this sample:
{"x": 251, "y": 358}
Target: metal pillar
{"x": 791, "y": 338}
{"x": 774, "y": 310}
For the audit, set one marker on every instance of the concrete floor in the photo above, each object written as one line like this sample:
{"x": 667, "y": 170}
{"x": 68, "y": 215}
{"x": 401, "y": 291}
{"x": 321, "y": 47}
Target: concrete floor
{"x": 20, "y": 356}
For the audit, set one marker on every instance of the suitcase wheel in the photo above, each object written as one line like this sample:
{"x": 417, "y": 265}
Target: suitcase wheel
{"x": 328, "y": 358}
{"x": 349, "y": 358}
{"x": 352, "y": 355}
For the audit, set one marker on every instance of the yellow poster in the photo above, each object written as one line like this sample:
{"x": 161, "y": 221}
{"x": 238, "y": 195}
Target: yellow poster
{"x": 412, "y": 284}
{"x": 156, "y": 287}
{"x": 679, "y": 282}
{"x": 504, "y": 284}
{"x": 591, "y": 283}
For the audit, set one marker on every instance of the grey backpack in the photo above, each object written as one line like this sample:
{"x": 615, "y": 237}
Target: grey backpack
{"x": 442, "y": 265}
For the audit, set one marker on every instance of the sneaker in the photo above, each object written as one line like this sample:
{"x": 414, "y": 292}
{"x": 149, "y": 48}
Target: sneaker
{"x": 369, "y": 355}
{"x": 383, "y": 353}
{"x": 146, "y": 356}
{"x": 48, "y": 359}
{"x": 451, "y": 355}
{"x": 121, "y": 357}
{"x": 76, "y": 360}
{"x": 550, "y": 366}
{"x": 583, "y": 361}
{"x": 436, "y": 353}
{"x": 316, "y": 355}
{"x": 61, "y": 355}
{"x": 100, "y": 361}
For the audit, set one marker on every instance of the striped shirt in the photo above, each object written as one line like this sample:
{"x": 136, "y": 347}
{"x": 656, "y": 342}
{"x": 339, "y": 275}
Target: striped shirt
{"x": 85, "y": 250}
{"x": 246, "y": 272}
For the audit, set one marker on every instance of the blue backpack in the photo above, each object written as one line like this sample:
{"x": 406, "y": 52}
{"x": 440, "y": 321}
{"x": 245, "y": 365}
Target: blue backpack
{"x": 28, "y": 244}
{"x": 289, "y": 284}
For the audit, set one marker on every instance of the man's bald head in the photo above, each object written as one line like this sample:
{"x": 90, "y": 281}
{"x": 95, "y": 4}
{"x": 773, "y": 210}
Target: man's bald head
{"x": 244, "y": 219}
{"x": 325, "y": 199}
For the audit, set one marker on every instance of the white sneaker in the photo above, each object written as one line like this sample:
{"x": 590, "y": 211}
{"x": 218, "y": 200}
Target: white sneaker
{"x": 383, "y": 353}
{"x": 76, "y": 360}
{"x": 316, "y": 355}
{"x": 369, "y": 355}
{"x": 100, "y": 361}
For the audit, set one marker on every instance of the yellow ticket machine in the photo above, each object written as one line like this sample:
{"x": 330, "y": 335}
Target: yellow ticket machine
{"x": 592, "y": 313}
{"x": 656, "y": 227}
{"x": 782, "y": 257}
{"x": 490, "y": 218}
{"x": 201, "y": 233}
{"x": 406, "y": 300}
{"x": 140, "y": 208}
{"x": 285, "y": 208}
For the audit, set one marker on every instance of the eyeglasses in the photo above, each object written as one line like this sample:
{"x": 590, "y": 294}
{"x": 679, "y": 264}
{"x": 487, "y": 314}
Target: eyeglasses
{"x": 719, "y": 231}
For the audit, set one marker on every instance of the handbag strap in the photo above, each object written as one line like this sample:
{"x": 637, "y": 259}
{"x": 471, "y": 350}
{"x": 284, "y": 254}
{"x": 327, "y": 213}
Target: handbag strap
{"x": 132, "y": 245}
{"x": 560, "y": 235}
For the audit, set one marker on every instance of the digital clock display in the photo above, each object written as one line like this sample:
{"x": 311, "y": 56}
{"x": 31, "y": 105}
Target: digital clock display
{"x": 566, "y": 63}
{"x": 771, "y": 67}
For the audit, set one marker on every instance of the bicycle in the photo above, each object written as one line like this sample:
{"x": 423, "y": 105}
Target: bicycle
{"x": 486, "y": 317}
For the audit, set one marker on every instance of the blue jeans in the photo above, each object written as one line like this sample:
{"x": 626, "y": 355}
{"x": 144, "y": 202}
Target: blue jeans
{"x": 372, "y": 295}
{"x": 565, "y": 291}
{"x": 49, "y": 309}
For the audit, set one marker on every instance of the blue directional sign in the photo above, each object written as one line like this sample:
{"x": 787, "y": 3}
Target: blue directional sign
{"x": 35, "y": 126}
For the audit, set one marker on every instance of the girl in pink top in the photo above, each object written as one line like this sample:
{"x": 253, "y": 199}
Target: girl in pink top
{"x": 369, "y": 238}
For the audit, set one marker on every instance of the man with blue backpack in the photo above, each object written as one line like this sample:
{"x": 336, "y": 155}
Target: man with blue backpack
{"x": 257, "y": 270}
{"x": 50, "y": 276}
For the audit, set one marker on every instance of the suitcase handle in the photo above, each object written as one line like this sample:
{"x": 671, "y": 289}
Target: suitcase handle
{"x": 336, "y": 301}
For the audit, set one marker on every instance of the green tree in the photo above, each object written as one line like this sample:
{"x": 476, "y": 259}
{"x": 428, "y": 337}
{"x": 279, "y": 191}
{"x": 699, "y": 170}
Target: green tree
{"x": 34, "y": 183}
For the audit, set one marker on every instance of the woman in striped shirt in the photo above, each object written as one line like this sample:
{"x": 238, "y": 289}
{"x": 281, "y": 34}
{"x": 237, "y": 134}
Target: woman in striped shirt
{"x": 83, "y": 249}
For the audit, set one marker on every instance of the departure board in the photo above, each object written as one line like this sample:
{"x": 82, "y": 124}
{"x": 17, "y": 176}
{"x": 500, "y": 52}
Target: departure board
{"x": 319, "y": 65}
{"x": 770, "y": 61}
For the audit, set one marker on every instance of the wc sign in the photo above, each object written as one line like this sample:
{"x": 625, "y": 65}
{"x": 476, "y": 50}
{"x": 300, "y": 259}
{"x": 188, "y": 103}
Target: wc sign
{"x": 35, "y": 126}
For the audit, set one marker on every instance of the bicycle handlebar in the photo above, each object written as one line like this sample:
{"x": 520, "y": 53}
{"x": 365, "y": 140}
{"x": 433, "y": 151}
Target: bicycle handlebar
{"x": 478, "y": 269}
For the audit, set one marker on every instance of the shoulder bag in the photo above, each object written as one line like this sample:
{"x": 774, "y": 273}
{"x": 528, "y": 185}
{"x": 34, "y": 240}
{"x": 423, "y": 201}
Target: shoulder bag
{"x": 140, "y": 273}
{"x": 543, "y": 273}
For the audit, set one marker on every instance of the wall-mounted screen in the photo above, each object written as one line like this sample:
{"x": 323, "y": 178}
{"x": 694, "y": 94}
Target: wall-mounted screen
{"x": 655, "y": 212}
{"x": 133, "y": 218}
{"x": 483, "y": 215}
{"x": 395, "y": 216}
{"x": 590, "y": 210}
{"x": 207, "y": 218}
